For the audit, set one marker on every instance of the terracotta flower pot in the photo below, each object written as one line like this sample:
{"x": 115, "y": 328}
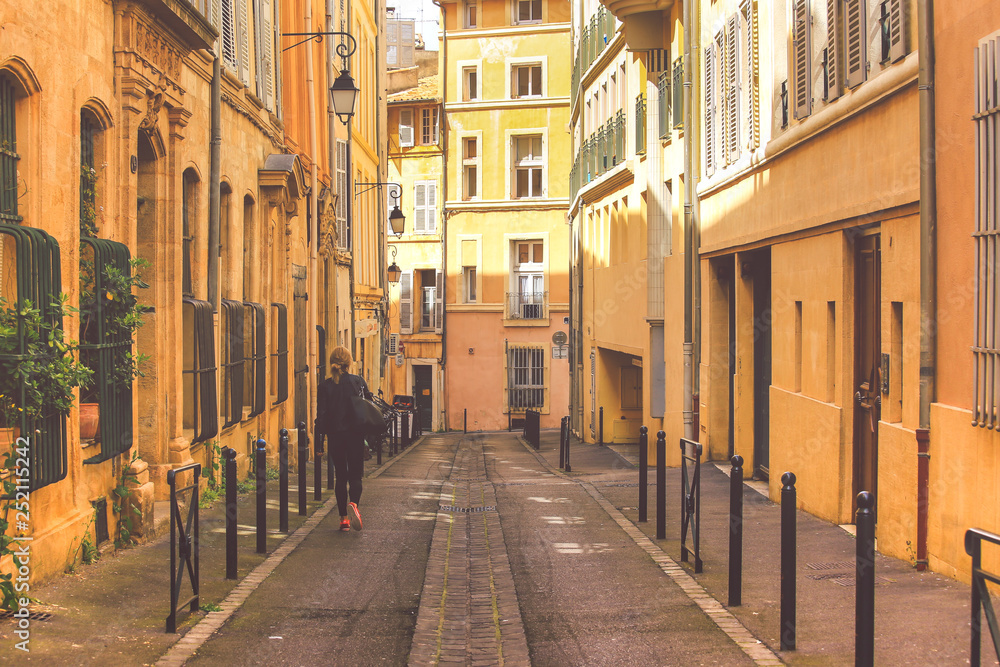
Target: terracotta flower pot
{"x": 8, "y": 436}
{"x": 90, "y": 420}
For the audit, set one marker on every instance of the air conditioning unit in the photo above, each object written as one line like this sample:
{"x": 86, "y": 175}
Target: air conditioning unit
{"x": 393, "y": 343}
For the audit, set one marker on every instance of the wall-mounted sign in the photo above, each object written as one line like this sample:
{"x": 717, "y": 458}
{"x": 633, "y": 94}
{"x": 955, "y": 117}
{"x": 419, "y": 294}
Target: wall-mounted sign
{"x": 560, "y": 351}
{"x": 560, "y": 338}
{"x": 365, "y": 328}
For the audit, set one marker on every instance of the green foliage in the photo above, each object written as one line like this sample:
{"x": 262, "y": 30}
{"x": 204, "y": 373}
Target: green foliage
{"x": 87, "y": 551}
{"x": 123, "y": 505}
{"x": 19, "y": 449}
{"x": 88, "y": 199}
{"x": 211, "y": 606}
{"x": 36, "y": 357}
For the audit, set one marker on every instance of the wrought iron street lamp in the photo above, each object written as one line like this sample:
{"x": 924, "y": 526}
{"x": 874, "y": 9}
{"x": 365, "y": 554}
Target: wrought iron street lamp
{"x": 343, "y": 92}
{"x": 396, "y": 218}
{"x": 394, "y": 271}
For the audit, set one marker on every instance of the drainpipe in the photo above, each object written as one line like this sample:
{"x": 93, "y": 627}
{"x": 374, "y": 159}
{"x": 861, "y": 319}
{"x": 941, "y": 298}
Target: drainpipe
{"x": 215, "y": 158}
{"x": 928, "y": 266}
{"x": 331, "y": 156}
{"x": 311, "y": 333}
{"x": 690, "y": 220}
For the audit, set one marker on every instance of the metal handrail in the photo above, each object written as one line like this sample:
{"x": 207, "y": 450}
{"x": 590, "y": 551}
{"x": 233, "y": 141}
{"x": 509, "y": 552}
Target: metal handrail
{"x": 981, "y": 600}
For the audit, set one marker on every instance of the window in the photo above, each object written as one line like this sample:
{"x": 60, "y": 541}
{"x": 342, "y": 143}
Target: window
{"x": 201, "y": 415}
{"x": 265, "y": 53}
{"x": 9, "y": 157}
{"x": 892, "y": 24}
{"x": 526, "y": 300}
{"x": 254, "y": 358}
{"x": 392, "y": 43}
{"x": 427, "y": 307}
{"x": 424, "y": 207}
{"x": 526, "y": 81}
{"x": 249, "y": 247}
{"x": 279, "y": 357}
{"x": 343, "y": 230}
{"x": 233, "y": 362}
{"x": 470, "y": 168}
{"x": 469, "y": 283}
{"x": 832, "y": 67}
{"x": 802, "y": 57}
{"x": 527, "y": 151}
{"x": 470, "y": 84}
{"x": 189, "y": 202}
{"x": 710, "y": 107}
{"x": 471, "y": 20}
{"x": 526, "y": 373}
{"x": 985, "y": 350}
{"x": 405, "y": 128}
{"x": 429, "y": 126}
{"x": 406, "y": 302}
{"x": 528, "y": 11}
{"x": 421, "y": 300}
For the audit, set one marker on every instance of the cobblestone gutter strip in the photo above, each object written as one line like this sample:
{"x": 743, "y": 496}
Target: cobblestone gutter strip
{"x": 751, "y": 646}
{"x": 468, "y": 611}
{"x": 186, "y": 646}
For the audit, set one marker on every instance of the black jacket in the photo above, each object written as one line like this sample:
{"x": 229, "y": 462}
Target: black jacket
{"x": 332, "y": 401}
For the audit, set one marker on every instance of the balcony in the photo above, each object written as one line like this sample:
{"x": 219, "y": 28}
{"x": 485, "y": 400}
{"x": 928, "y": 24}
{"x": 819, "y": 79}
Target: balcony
{"x": 604, "y": 150}
{"x": 596, "y": 35}
{"x": 527, "y": 305}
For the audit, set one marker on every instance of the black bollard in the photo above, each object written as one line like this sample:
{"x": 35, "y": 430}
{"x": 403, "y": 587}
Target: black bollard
{"x": 317, "y": 466}
{"x": 406, "y": 431}
{"x": 736, "y": 532}
{"x": 600, "y": 427}
{"x": 282, "y": 480}
{"x": 661, "y": 485}
{"x": 303, "y": 441}
{"x": 567, "y": 467}
{"x": 465, "y": 420}
{"x": 864, "y": 598}
{"x": 562, "y": 443}
{"x": 643, "y": 471}
{"x": 260, "y": 469}
{"x": 788, "y": 562}
{"x": 229, "y": 456}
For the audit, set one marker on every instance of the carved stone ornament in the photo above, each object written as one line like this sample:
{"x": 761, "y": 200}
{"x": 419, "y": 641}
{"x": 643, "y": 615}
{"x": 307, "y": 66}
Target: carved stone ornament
{"x": 328, "y": 227}
{"x": 154, "y": 102}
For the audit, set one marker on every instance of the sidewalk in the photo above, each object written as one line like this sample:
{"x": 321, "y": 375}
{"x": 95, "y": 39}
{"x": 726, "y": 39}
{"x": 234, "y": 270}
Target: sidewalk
{"x": 922, "y": 618}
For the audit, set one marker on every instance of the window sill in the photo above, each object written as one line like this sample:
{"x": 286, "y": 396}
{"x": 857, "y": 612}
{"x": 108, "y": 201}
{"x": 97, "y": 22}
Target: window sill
{"x": 519, "y": 322}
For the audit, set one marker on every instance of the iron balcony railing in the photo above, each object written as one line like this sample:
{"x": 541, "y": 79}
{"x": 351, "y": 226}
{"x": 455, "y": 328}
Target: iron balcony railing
{"x": 527, "y": 305}
{"x": 640, "y": 123}
{"x": 678, "y": 92}
{"x": 604, "y": 150}
{"x": 663, "y": 95}
{"x": 596, "y": 35}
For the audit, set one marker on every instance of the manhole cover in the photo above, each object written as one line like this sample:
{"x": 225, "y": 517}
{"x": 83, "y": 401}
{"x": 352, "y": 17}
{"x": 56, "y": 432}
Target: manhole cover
{"x": 453, "y": 508}
{"x": 33, "y": 616}
{"x": 839, "y": 565}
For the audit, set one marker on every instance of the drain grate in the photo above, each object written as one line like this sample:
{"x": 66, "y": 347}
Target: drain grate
{"x": 468, "y": 479}
{"x": 839, "y": 565}
{"x": 454, "y": 508}
{"x": 34, "y": 616}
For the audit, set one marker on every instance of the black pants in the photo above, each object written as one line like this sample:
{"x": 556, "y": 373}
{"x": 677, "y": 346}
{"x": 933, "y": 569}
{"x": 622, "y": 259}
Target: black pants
{"x": 348, "y": 453}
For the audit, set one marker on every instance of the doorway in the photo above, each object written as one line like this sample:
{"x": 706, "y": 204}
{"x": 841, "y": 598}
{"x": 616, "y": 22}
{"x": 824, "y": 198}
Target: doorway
{"x": 757, "y": 267}
{"x": 423, "y": 395}
{"x": 867, "y": 346}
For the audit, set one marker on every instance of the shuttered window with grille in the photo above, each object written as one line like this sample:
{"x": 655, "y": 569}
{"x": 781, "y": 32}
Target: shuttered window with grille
{"x": 279, "y": 355}
{"x": 201, "y": 414}
{"x": 254, "y": 358}
{"x": 233, "y": 361}
{"x": 9, "y": 157}
{"x": 526, "y": 376}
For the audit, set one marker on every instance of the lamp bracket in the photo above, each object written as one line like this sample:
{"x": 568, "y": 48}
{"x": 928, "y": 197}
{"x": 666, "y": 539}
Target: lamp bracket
{"x": 394, "y": 191}
{"x": 343, "y": 50}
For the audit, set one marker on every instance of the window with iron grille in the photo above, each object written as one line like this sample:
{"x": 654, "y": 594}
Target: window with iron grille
{"x": 9, "y": 157}
{"x": 525, "y": 376}
{"x": 986, "y": 352}
{"x": 279, "y": 357}
{"x": 30, "y": 271}
{"x": 201, "y": 413}
{"x": 89, "y": 128}
{"x": 254, "y": 358}
{"x": 105, "y": 346}
{"x": 233, "y": 362}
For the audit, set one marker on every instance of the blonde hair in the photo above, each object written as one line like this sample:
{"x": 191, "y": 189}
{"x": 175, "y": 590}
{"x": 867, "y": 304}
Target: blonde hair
{"x": 340, "y": 362}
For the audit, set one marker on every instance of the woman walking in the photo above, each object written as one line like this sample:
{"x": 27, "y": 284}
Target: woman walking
{"x": 345, "y": 444}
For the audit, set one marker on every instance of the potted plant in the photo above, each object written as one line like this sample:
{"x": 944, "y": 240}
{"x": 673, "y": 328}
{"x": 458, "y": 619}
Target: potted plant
{"x": 37, "y": 368}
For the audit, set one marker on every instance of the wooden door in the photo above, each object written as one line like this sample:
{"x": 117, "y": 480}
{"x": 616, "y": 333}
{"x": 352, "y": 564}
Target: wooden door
{"x": 867, "y": 345}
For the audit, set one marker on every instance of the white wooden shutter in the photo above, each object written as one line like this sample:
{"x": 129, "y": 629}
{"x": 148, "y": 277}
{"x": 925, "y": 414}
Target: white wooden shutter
{"x": 437, "y": 125}
{"x": 709, "y": 111}
{"x": 897, "y": 29}
{"x": 732, "y": 114}
{"x": 802, "y": 58}
{"x": 857, "y": 51}
{"x": 430, "y": 212}
{"x": 215, "y": 14}
{"x": 751, "y": 62}
{"x": 419, "y": 208}
{"x": 406, "y": 302}
{"x": 406, "y": 43}
{"x": 227, "y": 34}
{"x": 243, "y": 38}
{"x": 438, "y": 301}
{"x": 268, "y": 54}
{"x": 405, "y": 127}
{"x": 258, "y": 49}
{"x": 833, "y": 49}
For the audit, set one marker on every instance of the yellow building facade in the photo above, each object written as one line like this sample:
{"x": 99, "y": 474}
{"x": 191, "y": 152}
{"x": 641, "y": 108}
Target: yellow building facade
{"x": 505, "y": 72}
{"x": 238, "y": 244}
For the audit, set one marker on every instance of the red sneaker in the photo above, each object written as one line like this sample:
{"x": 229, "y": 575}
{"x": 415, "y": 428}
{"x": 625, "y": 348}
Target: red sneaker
{"x": 354, "y": 515}
{"x": 345, "y": 525}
